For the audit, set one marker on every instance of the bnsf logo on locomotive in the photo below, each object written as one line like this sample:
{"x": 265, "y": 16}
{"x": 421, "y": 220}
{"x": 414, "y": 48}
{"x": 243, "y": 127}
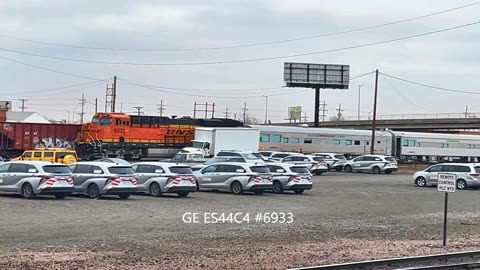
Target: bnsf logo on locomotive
{"x": 180, "y": 132}
{"x": 119, "y": 130}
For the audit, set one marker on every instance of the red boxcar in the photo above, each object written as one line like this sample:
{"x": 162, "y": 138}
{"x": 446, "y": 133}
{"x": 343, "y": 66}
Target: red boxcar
{"x": 17, "y": 137}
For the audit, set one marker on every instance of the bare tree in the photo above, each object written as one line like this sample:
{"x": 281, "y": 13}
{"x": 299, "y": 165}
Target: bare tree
{"x": 250, "y": 120}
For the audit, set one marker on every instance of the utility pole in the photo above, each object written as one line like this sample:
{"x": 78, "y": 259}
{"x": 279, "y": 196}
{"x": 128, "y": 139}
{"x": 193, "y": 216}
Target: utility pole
{"x": 244, "y": 109}
{"x": 213, "y": 110}
{"x": 23, "y": 104}
{"x": 466, "y": 111}
{"x": 96, "y": 105}
{"x": 323, "y": 108}
{"x": 226, "y": 113}
{"x": 374, "y": 121}
{"x": 266, "y": 109}
{"x": 114, "y": 98}
{"x": 161, "y": 108}
{"x": 139, "y": 110}
{"x": 358, "y": 105}
{"x": 339, "y": 112}
{"x": 194, "y": 110}
{"x": 82, "y": 112}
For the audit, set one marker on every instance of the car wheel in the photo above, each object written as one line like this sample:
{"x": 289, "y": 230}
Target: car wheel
{"x": 338, "y": 169}
{"x": 124, "y": 196}
{"x": 236, "y": 188}
{"x": 60, "y": 196}
{"x": 299, "y": 191}
{"x": 277, "y": 187}
{"x": 93, "y": 192}
{"x": 376, "y": 170}
{"x": 348, "y": 168}
{"x": 258, "y": 192}
{"x": 27, "y": 191}
{"x": 461, "y": 184}
{"x": 155, "y": 190}
{"x": 388, "y": 172}
{"x": 420, "y": 182}
{"x": 182, "y": 194}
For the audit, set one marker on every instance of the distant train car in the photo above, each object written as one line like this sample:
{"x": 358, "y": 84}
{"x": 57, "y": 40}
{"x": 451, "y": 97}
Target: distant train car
{"x": 128, "y": 136}
{"x": 18, "y": 137}
{"x": 406, "y": 146}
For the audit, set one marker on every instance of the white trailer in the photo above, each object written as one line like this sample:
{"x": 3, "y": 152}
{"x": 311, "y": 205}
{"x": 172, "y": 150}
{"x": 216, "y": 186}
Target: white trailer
{"x": 210, "y": 141}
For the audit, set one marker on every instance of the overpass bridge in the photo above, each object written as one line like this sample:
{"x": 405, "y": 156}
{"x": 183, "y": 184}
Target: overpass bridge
{"x": 431, "y": 124}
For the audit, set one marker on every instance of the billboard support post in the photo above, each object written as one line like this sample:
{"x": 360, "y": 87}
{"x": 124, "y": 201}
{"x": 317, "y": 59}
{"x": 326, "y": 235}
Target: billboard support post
{"x": 317, "y": 107}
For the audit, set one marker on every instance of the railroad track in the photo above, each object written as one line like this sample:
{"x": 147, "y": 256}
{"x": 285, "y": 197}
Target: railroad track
{"x": 458, "y": 260}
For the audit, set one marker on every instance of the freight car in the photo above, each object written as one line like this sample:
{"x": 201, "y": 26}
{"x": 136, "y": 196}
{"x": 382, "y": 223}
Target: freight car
{"x": 18, "y": 137}
{"x": 405, "y": 146}
{"x": 133, "y": 137}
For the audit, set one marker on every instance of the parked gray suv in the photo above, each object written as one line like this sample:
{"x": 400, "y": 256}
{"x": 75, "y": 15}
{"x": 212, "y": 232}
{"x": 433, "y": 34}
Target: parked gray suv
{"x": 236, "y": 177}
{"x": 32, "y": 178}
{"x": 372, "y": 163}
{"x": 468, "y": 175}
{"x": 96, "y": 179}
{"x": 157, "y": 178}
{"x": 290, "y": 177}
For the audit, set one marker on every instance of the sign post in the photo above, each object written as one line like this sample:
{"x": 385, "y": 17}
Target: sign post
{"x": 446, "y": 183}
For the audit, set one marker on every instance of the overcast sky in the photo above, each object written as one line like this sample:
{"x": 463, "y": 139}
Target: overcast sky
{"x": 449, "y": 59}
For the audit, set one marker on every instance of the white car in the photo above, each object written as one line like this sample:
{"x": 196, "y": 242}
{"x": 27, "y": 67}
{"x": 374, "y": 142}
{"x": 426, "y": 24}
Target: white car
{"x": 156, "y": 178}
{"x": 334, "y": 161}
{"x": 372, "y": 163}
{"x": 316, "y": 165}
{"x": 290, "y": 177}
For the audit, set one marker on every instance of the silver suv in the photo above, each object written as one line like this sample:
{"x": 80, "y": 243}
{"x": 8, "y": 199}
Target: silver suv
{"x": 334, "y": 161}
{"x": 468, "y": 175}
{"x": 372, "y": 163}
{"x": 96, "y": 179}
{"x": 316, "y": 165}
{"x": 290, "y": 177}
{"x": 32, "y": 178}
{"x": 156, "y": 178}
{"x": 236, "y": 177}
{"x": 220, "y": 159}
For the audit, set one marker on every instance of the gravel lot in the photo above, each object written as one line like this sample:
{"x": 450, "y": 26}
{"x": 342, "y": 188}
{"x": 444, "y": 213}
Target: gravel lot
{"x": 346, "y": 217}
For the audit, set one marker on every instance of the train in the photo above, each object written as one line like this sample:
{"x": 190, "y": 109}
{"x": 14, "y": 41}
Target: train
{"x": 405, "y": 146}
{"x": 135, "y": 137}
{"x": 18, "y": 137}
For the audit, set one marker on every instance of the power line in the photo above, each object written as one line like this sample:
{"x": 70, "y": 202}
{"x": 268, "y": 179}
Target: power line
{"x": 431, "y": 86}
{"x": 52, "y": 89}
{"x": 23, "y": 104}
{"x": 242, "y": 60}
{"x": 401, "y": 95}
{"x": 241, "y": 45}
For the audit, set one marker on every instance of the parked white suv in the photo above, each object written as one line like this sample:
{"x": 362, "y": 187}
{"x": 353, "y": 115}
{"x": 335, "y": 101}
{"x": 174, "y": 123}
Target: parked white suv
{"x": 372, "y": 163}
{"x": 334, "y": 161}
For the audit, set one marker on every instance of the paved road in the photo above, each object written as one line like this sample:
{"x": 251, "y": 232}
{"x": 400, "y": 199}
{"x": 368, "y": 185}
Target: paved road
{"x": 346, "y": 204}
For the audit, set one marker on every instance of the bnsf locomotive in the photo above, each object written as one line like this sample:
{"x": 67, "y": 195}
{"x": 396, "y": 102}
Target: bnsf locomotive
{"x": 129, "y": 136}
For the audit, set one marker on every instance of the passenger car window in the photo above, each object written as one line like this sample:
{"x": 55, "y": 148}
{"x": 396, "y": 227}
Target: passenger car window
{"x": 460, "y": 168}
{"x": 79, "y": 168}
{"x": 47, "y": 154}
{"x": 27, "y": 154}
{"x": 56, "y": 169}
{"x": 37, "y": 154}
{"x": 209, "y": 169}
{"x": 259, "y": 169}
{"x": 145, "y": 169}
{"x": 276, "y": 169}
{"x": 437, "y": 168}
{"x": 4, "y": 168}
{"x": 118, "y": 170}
{"x": 288, "y": 159}
{"x": 224, "y": 154}
{"x": 358, "y": 159}
{"x": 18, "y": 168}
{"x": 158, "y": 169}
{"x": 378, "y": 159}
{"x": 303, "y": 170}
{"x": 181, "y": 170}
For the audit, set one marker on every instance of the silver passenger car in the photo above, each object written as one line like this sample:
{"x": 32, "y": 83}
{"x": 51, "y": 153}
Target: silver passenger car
{"x": 215, "y": 160}
{"x": 467, "y": 175}
{"x": 316, "y": 165}
{"x": 32, "y": 178}
{"x": 290, "y": 177}
{"x": 334, "y": 161}
{"x": 235, "y": 177}
{"x": 372, "y": 163}
{"x": 156, "y": 178}
{"x": 96, "y": 179}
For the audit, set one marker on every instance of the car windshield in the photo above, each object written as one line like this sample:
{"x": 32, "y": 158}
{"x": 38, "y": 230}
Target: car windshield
{"x": 181, "y": 170}
{"x": 258, "y": 155}
{"x": 121, "y": 170}
{"x": 340, "y": 156}
{"x": 198, "y": 145}
{"x": 180, "y": 157}
{"x": 259, "y": 169}
{"x": 56, "y": 169}
{"x": 300, "y": 169}
{"x": 250, "y": 156}
{"x": 391, "y": 159}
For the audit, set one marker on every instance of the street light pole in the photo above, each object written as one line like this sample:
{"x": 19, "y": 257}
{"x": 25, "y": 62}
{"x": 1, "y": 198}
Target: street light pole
{"x": 358, "y": 105}
{"x": 266, "y": 109}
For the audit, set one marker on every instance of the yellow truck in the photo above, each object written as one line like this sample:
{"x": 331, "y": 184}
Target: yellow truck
{"x": 58, "y": 155}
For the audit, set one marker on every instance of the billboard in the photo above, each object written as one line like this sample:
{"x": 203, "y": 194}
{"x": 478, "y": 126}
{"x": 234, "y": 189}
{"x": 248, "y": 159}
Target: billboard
{"x": 316, "y": 75}
{"x": 295, "y": 113}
